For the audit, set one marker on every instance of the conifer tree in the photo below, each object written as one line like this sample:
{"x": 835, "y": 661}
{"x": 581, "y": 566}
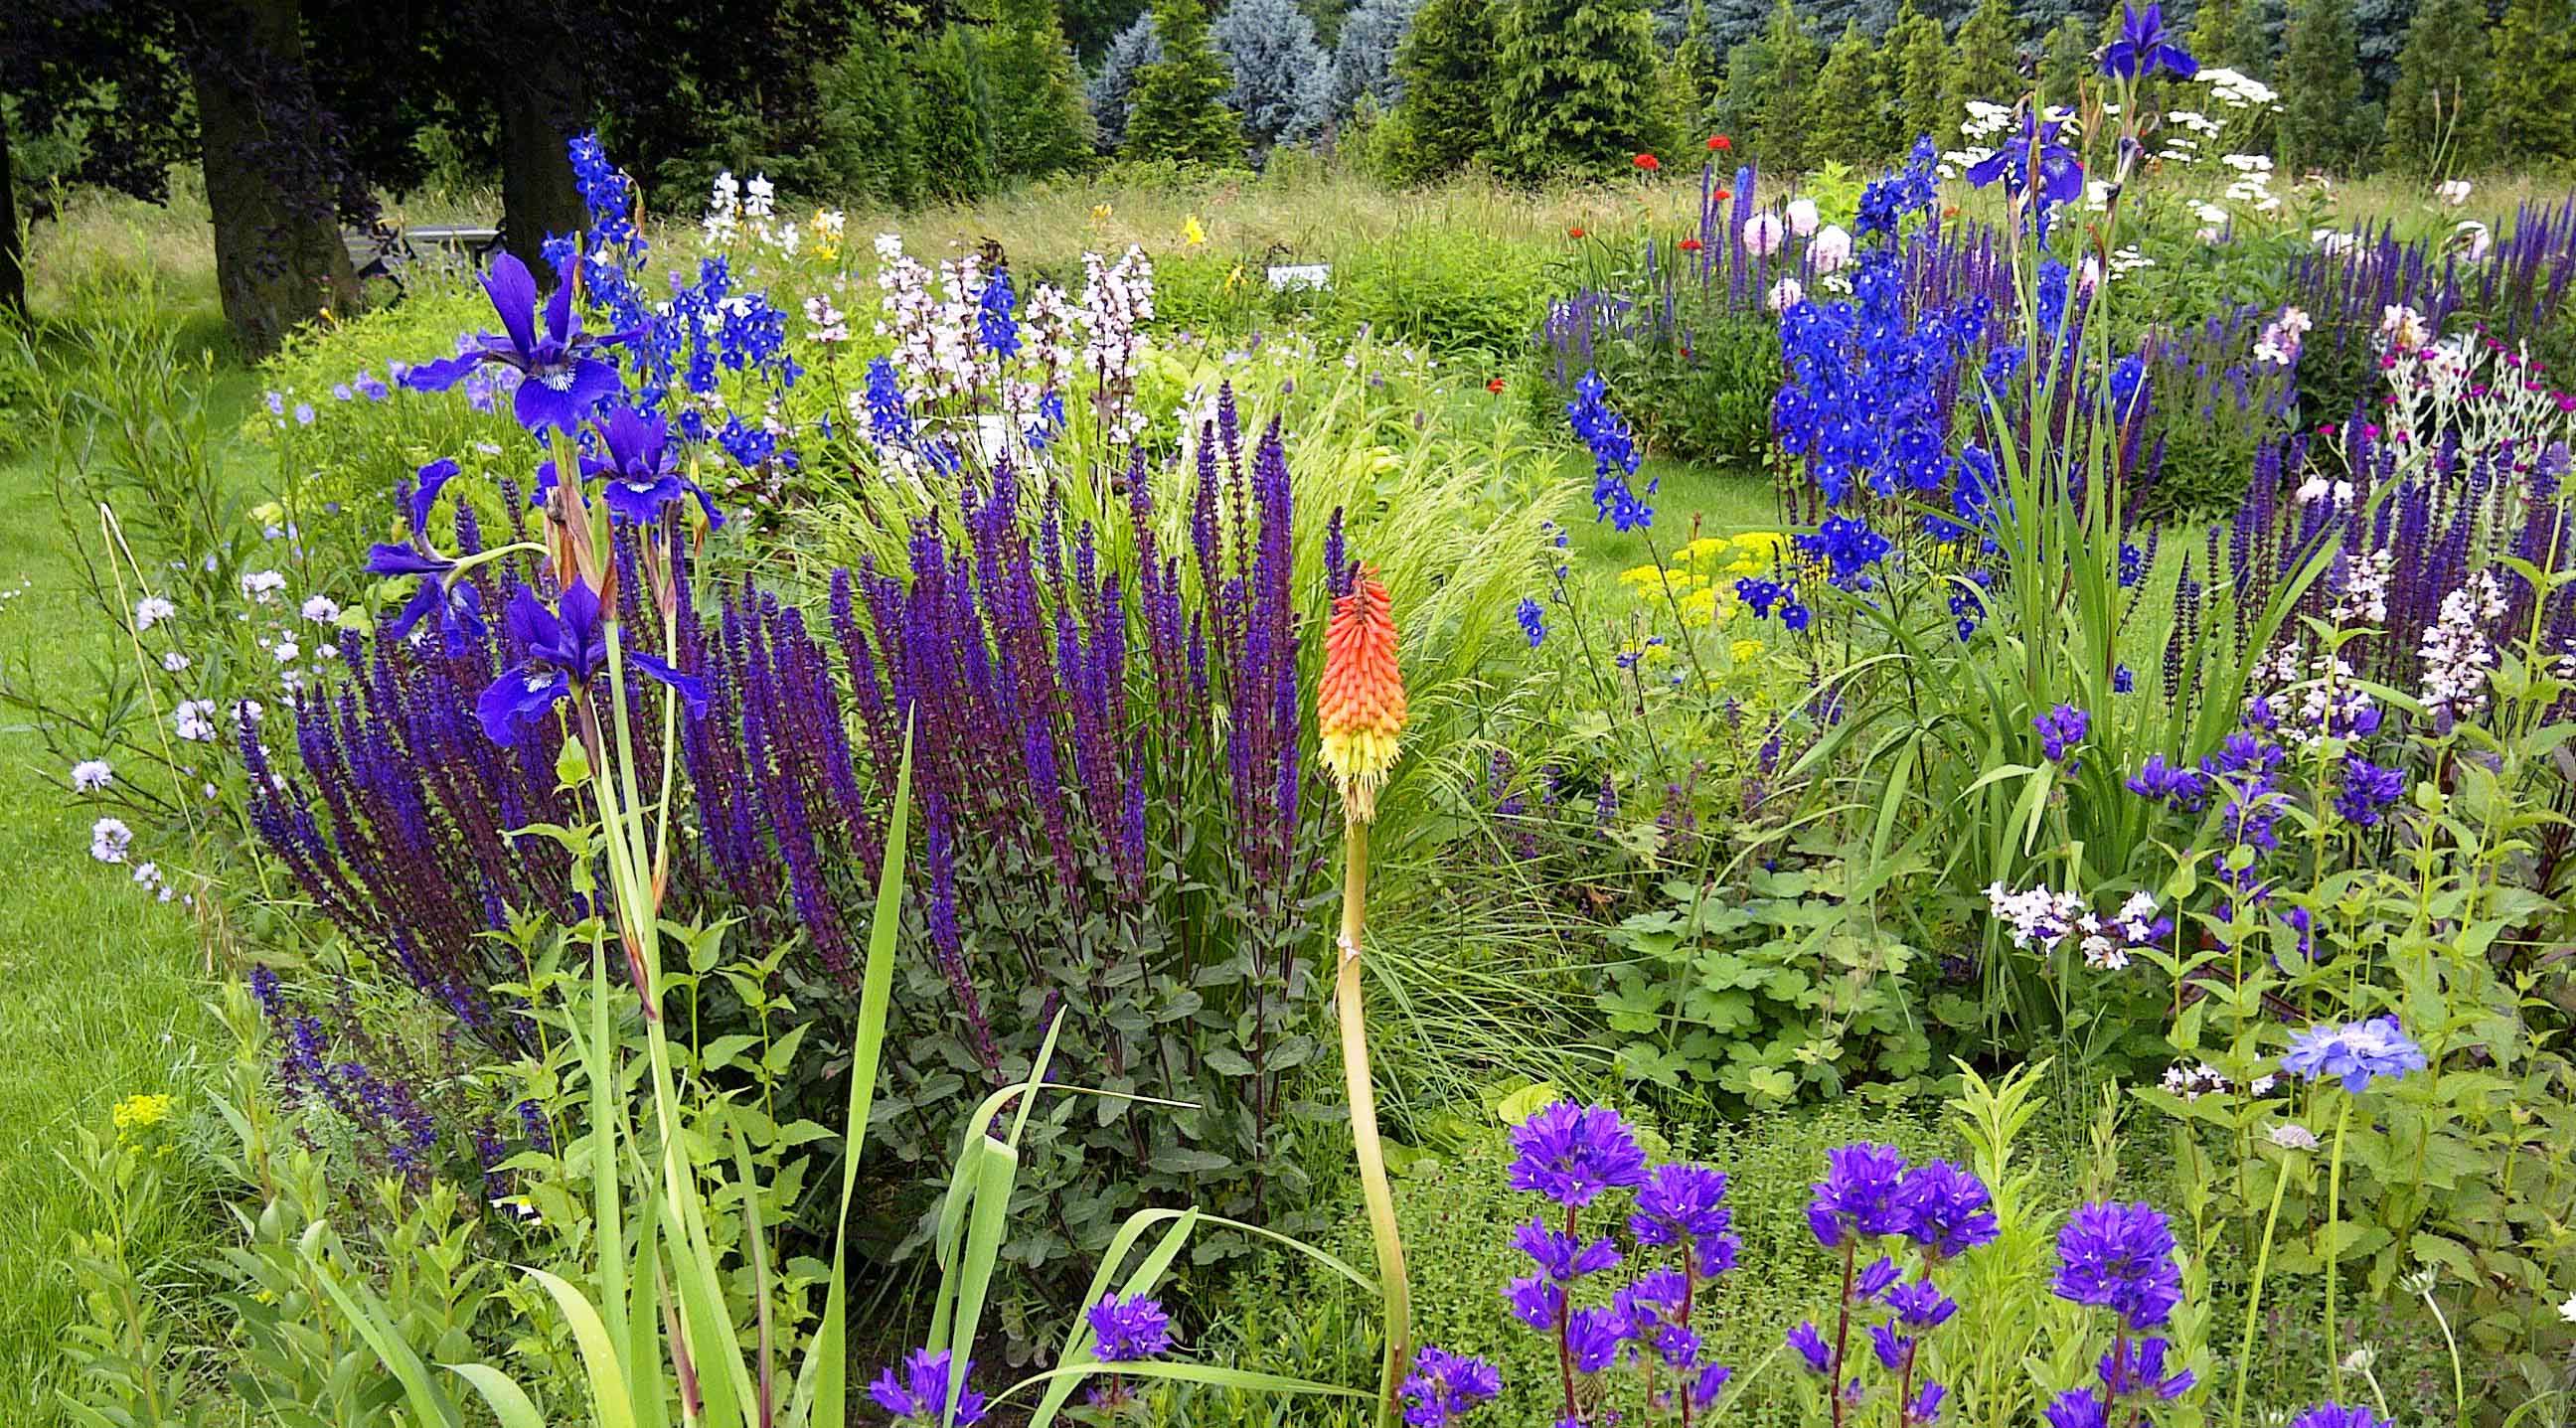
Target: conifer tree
{"x": 1446, "y": 67}
{"x": 1364, "y": 55}
{"x": 1040, "y": 123}
{"x": 1113, "y": 89}
{"x": 1700, "y": 60}
{"x": 864, "y": 121}
{"x": 1922, "y": 59}
{"x": 1177, "y": 110}
{"x": 2213, "y": 32}
{"x": 2257, "y": 38}
{"x": 2063, "y": 62}
{"x": 1986, "y": 62}
{"x": 2531, "y": 116}
{"x": 1848, "y": 113}
{"x": 953, "y": 111}
{"x": 1574, "y": 85}
{"x": 1775, "y": 98}
{"x": 2441, "y": 84}
{"x": 1280, "y": 83}
{"x": 2320, "y": 84}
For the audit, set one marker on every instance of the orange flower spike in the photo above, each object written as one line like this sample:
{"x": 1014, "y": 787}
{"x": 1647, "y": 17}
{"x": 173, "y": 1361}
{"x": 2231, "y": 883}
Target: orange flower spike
{"x": 1359, "y": 703}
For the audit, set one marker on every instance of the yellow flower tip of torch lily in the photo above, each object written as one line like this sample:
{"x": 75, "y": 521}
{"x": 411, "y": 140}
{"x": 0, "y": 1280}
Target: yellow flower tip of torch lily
{"x": 1359, "y": 702}
{"x": 1191, "y": 233}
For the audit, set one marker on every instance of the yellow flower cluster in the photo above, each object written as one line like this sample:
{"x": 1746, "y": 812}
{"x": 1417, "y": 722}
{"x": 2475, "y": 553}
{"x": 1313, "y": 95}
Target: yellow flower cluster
{"x": 136, "y": 1114}
{"x": 1701, "y": 578}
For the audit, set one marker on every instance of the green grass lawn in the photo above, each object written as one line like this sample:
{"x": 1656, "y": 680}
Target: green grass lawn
{"x": 107, "y": 989}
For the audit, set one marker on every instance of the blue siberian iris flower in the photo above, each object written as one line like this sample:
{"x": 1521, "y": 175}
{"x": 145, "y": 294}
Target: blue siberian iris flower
{"x": 641, "y": 469}
{"x": 2145, "y": 46}
{"x": 458, "y": 605}
{"x": 564, "y": 375}
{"x": 2032, "y": 165}
{"x": 566, "y": 647}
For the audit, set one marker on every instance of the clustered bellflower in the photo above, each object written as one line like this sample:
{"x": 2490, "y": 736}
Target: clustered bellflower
{"x": 1127, "y": 1328}
{"x": 1444, "y": 1387}
{"x": 919, "y": 1392}
{"x": 1869, "y": 1200}
{"x": 2120, "y": 1256}
{"x": 1573, "y": 1155}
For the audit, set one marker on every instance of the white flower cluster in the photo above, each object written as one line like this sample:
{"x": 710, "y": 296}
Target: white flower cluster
{"x": 1117, "y": 303}
{"x": 2454, "y": 192}
{"x": 2043, "y": 918}
{"x": 2327, "y": 690}
{"x": 2363, "y": 599}
{"x": 2401, "y": 328}
{"x": 2193, "y": 1082}
{"x": 2281, "y": 337}
{"x": 2238, "y": 91}
{"x": 2491, "y": 400}
{"x": 2253, "y": 182}
{"x": 735, "y": 208}
{"x": 2457, "y": 657}
{"x": 823, "y": 322}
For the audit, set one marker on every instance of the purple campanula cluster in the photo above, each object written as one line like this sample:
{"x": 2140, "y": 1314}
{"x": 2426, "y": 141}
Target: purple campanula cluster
{"x": 1572, "y": 1155}
{"x": 2120, "y": 1257}
{"x": 2060, "y": 730}
{"x": 1445, "y": 1387}
{"x": 917, "y": 1392}
{"x": 1127, "y": 1328}
{"x": 1871, "y": 1200}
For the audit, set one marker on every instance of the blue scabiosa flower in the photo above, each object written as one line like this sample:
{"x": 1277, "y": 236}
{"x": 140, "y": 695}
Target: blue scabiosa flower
{"x": 919, "y": 1393}
{"x": 1444, "y": 1386}
{"x": 2160, "y": 782}
{"x": 564, "y": 375}
{"x": 1572, "y": 1153}
{"x": 2145, "y": 46}
{"x": 2120, "y": 1257}
{"x": 1859, "y": 1196}
{"x": 1128, "y": 1328}
{"x": 2360, "y": 1052}
{"x": 1533, "y": 620}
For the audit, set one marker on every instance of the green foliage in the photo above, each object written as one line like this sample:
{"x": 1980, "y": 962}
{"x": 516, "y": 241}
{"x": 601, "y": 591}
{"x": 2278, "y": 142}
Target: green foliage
{"x": 1772, "y": 989}
{"x": 1177, "y": 110}
{"x": 1922, "y": 57}
{"x": 2065, "y": 63}
{"x": 869, "y": 128}
{"x": 1574, "y": 86}
{"x": 1445, "y": 121}
{"x": 1850, "y": 114}
{"x": 2320, "y": 84}
{"x": 953, "y": 108}
{"x": 2442, "y": 78}
{"x": 1040, "y": 123}
{"x": 1985, "y": 62}
{"x": 2531, "y": 114}
{"x": 1778, "y": 94}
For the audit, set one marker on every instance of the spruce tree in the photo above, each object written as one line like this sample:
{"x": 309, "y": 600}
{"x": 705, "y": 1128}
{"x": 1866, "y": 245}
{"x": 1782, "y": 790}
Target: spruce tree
{"x": 1364, "y": 55}
{"x": 1446, "y": 67}
{"x": 1986, "y": 62}
{"x": 1777, "y": 104}
{"x": 2258, "y": 39}
{"x": 1700, "y": 60}
{"x": 1921, "y": 54}
{"x": 1280, "y": 83}
{"x": 2532, "y": 112}
{"x": 1177, "y": 110}
{"x": 1040, "y": 123}
{"x": 1574, "y": 86}
{"x": 953, "y": 116}
{"x": 1848, "y": 113}
{"x": 2320, "y": 84}
{"x": 1113, "y": 89}
{"x": 2441, "y": 83}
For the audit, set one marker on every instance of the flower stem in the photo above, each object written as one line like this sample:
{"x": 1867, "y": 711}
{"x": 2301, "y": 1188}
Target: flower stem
{"x": 1392, "y": 1289}
{"x": 1842, "y": 1332}
{"x": 2326, "y": 1251}
{"x": 2254, "y": 1294}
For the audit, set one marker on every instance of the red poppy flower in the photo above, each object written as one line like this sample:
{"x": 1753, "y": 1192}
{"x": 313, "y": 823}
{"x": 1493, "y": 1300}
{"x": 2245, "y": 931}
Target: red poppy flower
{"x": 1719, "y": 143}
{"x": 1722, "y": 195}
{"x": 1495, "y": 386}
{"x": 1690, "y": 245}
{"x": 1950, "y": 211}
{"x": 1574, "y": 232}
{"x": 1648, "y": 162}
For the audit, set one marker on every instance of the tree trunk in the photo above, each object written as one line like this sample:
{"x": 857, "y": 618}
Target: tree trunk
{"x": 271, "y": 172}
{"x": 13, "y": 252}
{"x": 542, "y": 108}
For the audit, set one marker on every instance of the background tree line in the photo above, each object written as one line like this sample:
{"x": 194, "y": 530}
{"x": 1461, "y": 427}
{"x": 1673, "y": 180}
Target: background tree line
{"x": 299, "y": 113}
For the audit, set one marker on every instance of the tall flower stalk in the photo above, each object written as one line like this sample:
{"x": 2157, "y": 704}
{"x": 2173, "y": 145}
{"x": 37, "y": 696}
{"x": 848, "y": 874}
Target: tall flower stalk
{"x": 1359, "y": 712}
